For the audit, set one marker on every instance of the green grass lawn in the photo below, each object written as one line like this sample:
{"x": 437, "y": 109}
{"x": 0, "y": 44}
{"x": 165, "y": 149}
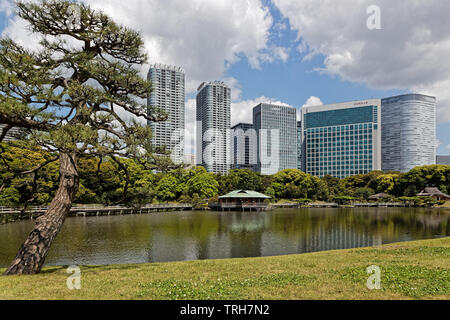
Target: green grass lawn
{"x": 413, "y": 270}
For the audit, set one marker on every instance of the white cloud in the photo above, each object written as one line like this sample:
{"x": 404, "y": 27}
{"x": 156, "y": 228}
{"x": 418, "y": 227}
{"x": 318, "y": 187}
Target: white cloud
{"x": 202, "y": 36}
{"x": 311, "y": 102}
{"x": 448, "y": 147}
{"x": 410, "y": 52}
{"x": 7, "y": 7}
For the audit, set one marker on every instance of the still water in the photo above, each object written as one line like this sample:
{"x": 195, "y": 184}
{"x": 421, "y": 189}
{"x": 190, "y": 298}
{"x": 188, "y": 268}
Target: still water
{"x": 196, "y": 235}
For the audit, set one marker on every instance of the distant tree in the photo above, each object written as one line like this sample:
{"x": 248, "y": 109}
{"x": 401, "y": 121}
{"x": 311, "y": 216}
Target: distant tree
{"x": 384, "y": 183}
{"x": 32, "y": 173}
{"x": 202, "y": 184}
{"x": 71, "y": 94}
{"x": 333, "y": 185}
{"x": 363, "y": 193}
{"x": 293, "y": 183}
{"x": 419, "y": 178}
{"x": 271, "y": 193}
{"x": 244, "y": 179}
{"x": 322, "y": 191}
{"x": 342, "y": 200}
{"x": 167, "y": 188}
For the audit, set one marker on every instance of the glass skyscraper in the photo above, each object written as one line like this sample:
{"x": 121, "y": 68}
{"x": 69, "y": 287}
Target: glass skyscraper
{"x": 276, "y": 128}
{"x": 342, "y": 139}
{"x": 213, "y": 127}
{"x": 243, "y": 146}
{"x": 14, "y": 133}
{"x": 168, "y": 94}
{"x": 408, "y": 132}
{"x": 299, "y": 145}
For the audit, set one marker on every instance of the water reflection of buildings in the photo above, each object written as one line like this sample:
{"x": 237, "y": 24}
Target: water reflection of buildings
{"x": 245, "y": 235}
{"x": 238, "y": 235}
{"x": 235, "y": 235}
{"x": 337, "y": 238}
{"x": 320, "y": 239}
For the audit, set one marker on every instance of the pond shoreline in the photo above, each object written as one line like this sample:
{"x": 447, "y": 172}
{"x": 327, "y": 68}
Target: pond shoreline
{"x": 10, "y": 215}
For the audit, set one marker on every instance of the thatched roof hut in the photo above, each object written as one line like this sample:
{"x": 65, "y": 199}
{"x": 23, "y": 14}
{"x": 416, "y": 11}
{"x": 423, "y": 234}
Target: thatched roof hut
{"x": 434, "y": 193}
{"x": 380, "y": 196}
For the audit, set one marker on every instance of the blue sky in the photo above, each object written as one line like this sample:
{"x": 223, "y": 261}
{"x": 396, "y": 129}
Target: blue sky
{"x": 331, "y": 33}
{"x": 294, "y": 81}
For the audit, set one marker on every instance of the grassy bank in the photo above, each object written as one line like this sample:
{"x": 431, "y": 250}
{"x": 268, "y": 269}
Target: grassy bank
{"x": 413, "y": 270}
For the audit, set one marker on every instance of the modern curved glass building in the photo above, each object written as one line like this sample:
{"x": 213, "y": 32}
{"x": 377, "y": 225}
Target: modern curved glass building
{"x": 408, "y": 132}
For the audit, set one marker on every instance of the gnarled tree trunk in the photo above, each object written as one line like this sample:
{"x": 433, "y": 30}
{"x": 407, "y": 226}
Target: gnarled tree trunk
{"x": 32, "y": 254}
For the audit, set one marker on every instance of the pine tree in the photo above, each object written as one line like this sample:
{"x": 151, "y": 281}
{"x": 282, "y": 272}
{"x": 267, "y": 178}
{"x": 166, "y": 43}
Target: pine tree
{"x": 71, "y": 94}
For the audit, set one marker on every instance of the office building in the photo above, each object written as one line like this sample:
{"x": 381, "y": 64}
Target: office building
{"x": 276, "y": 128}
{"x": 14, "y": 133}
{"x": 168, "y": 95}
{"x": 408, "y": 132}
{"x": 445, "y": 160}
{"x": 299, "y": 145}
{"x": 243, "y": 146}
{"x": 342, "y": 139}
{"x": 189, "y": 161}
{"x": 213, "y": 127}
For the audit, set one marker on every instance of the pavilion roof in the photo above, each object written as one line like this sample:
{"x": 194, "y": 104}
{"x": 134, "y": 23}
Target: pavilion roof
{"x": 380, "y": 196}
{"x": 431, "y": 191}
{"x": 242, "y": 194}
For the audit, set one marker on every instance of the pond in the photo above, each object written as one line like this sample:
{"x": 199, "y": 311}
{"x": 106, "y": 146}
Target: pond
{"x": 195, "y": 235}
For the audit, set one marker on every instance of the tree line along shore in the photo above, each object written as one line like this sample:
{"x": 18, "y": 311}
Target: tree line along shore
{"x": 100, "y": 183}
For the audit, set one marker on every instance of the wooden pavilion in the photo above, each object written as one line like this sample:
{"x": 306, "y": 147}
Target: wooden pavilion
{"x": 380, "y": 196}
{"x": 434, "y": 193}
{"x": 242, "y": 200}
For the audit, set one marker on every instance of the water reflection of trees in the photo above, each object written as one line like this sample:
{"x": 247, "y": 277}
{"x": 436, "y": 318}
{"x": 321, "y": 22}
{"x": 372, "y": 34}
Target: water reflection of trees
{"x": 245, "y": 229}
{"x": 203, "y": 235}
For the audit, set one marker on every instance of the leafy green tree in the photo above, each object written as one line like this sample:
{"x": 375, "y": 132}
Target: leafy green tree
{"x": 343, "y": 199}
{"x": 322, "y": 191}
{"x": 10, "y": 197}
{"x": 69, "y": 94}
{"x": 293, "y": 183}
{"x": 242, "y": 179}
{"x": 142, "y": 191}
{"x": 384, "y": 183}
{"x": 363, "y": 193}
{"x": 30, "y": 171}
{"x": 271, "y": 193}
{"x": 202, "y": 184}
{"x": 414, "y": 181}
{"x": 167, "y": 188}
{"x": 333, "y": 185}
